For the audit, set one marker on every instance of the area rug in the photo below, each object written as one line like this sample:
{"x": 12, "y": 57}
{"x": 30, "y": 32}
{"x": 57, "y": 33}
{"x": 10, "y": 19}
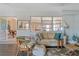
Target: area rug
{"x": 60, "y": 52}
{"x": 22, "y": 53}
{"x": 53, "y": 52}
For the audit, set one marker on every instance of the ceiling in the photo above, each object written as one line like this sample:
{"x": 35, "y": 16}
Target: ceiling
{"x": 38, "y": 9}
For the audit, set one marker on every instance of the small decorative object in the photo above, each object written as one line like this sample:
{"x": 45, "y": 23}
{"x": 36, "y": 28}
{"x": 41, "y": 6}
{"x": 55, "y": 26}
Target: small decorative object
{"x": 73, "y": 40}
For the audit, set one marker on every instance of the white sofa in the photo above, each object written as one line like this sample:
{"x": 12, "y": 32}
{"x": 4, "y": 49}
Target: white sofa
{"x": 47, "y": 38}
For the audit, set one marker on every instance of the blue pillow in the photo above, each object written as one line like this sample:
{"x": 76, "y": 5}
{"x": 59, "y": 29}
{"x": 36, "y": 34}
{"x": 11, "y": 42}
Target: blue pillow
{"x": 57, "y": 36}
{"x": 61, "y": 37}
{"x": 74, "y": 38}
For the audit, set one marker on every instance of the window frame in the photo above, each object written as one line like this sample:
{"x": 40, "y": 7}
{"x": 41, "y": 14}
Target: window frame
{"x": 36, "y": 30}
{"x": 42, "y": 24}
{"x": 27, "y": 22}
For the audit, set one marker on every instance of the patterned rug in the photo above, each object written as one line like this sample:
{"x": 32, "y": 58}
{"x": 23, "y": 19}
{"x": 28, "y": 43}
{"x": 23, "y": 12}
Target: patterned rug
{"x": 54, "y": 52}
{"x": 60, "y": 52}
{"x": 23, "y": 53}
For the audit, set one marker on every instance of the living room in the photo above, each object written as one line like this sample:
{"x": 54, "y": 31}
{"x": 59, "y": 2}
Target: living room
{"x": 39, "y": 29}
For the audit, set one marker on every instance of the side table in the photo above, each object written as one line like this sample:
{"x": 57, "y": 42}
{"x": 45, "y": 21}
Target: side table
{"x": 71, "y": 49}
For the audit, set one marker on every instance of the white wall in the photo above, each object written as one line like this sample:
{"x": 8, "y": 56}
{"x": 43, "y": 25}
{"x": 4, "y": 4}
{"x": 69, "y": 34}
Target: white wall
{"x": 73, "y": 22}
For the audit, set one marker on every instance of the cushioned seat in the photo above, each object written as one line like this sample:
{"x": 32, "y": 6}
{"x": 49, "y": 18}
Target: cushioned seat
{"x": 50, "y": 42}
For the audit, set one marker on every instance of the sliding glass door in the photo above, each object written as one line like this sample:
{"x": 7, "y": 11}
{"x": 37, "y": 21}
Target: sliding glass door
{"x": 3, "y": 27}
{"x": 8, "y": 27}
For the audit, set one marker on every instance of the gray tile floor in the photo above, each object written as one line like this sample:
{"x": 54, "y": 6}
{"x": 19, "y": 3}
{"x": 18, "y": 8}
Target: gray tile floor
{"x": 8, "y": 49}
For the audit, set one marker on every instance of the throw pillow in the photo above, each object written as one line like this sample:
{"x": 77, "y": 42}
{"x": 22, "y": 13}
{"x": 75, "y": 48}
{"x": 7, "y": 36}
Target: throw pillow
{"x": 74, "y": 38}
{"x": 57, "y": 36}
{"x": 45, "y": 35}
{"x": 61, "y": 37}
{"x": 51, "y": 35}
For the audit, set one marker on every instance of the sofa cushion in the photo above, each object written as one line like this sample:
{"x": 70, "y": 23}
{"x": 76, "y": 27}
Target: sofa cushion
{"x": 57, "y": 36}
{"x": 45, "y": 35}
{"x": 61, "y": 37}
{"x": 49, "y": 42}
{"x": 51, "y": 35}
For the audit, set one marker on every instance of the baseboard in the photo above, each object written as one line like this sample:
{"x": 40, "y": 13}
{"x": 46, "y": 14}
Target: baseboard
{"x": 54, "y": 47}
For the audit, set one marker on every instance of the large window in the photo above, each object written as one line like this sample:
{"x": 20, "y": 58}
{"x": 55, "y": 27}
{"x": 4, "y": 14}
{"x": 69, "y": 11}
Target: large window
{"x": 57, "y": 23}
{"x": 47, "y": 23}
{"x": 35, "y": 24}
{"x": 23, "y": 24}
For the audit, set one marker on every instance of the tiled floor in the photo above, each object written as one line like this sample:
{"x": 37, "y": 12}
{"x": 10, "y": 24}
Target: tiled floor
{"x": 8, "y": 49}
